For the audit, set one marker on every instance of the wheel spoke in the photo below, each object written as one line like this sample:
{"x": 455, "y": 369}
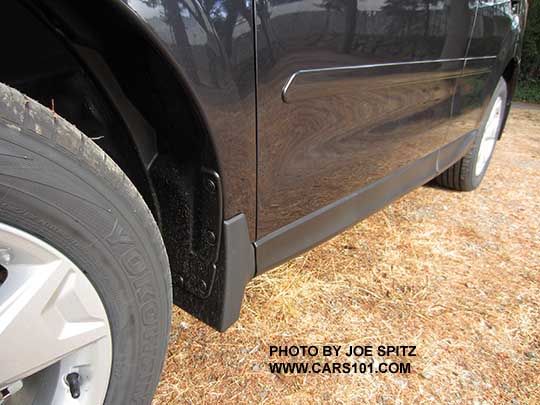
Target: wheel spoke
{"x": 44, "y": 316}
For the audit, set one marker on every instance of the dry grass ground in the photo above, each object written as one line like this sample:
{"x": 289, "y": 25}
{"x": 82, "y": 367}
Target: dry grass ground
{"x": 456, "y": 274}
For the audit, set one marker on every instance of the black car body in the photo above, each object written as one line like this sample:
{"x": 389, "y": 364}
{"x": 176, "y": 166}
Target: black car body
{"x": 257, "y": 129}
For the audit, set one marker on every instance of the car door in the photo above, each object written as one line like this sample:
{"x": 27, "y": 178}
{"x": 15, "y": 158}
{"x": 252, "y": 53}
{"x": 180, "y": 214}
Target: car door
{"x": 495, "y": 29}
{"x": 349, "y": 92}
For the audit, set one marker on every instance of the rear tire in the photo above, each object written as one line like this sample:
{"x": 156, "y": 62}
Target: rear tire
{"x": 468, "y": 172}
{"x": 59, "y": 186}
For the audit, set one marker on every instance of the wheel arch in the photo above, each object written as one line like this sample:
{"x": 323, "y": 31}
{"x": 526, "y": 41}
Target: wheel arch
{"x": 123, "y": 56}
{"x": 175, "y": 139}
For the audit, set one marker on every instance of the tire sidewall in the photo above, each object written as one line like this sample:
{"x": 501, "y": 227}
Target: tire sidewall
{"x": 106, "y": 236}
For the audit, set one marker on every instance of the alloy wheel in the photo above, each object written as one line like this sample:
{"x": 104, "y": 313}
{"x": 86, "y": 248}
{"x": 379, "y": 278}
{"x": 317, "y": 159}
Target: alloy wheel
{"x": 55, "y": 337}
{"x": 489, "y": 137}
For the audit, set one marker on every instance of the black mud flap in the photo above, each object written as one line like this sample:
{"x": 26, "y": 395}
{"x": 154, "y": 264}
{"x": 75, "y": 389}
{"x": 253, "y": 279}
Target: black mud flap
{"x": 211, "y": 259}
{"x": 220, "y": 306}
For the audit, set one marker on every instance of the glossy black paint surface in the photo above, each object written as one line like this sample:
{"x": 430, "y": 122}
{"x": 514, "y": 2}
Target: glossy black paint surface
{"x": 211, "y": 44}
{"x": 348, "y": 91}
{"x": 325, "y": 132}
{"x": 356, "y": 102}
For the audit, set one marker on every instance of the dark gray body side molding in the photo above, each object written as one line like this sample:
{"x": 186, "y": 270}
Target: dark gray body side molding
{"x": 241, "y": 260}
{"x": 321, "y": 225}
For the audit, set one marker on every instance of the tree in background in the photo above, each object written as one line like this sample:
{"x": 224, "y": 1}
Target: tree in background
{"x": 529, "y": 86}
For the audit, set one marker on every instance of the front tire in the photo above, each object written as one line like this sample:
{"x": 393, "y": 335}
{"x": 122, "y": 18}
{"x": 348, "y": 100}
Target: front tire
{"x": 469, "y": 171}
{"x": 62, "y": 191}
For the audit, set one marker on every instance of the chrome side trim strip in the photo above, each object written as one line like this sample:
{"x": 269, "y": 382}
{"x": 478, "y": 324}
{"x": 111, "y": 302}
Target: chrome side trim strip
{"x": 357, "y": 68}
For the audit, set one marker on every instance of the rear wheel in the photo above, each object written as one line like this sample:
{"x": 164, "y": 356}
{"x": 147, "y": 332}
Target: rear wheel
{"x": 468, "y": 172}
{"x": 85, "y": 289}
